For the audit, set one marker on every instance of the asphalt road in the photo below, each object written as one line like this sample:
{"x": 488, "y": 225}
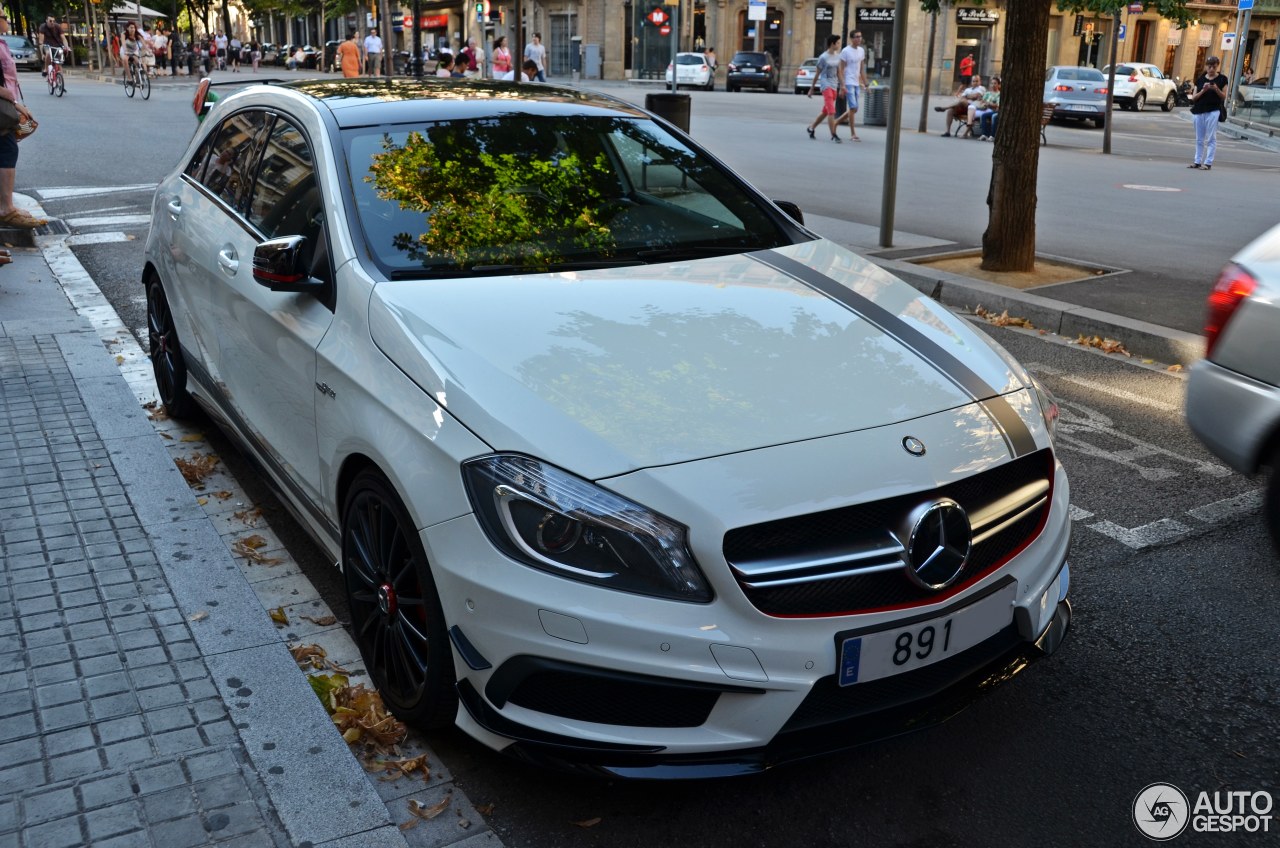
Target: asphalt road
{"x": 1168, "y": 674}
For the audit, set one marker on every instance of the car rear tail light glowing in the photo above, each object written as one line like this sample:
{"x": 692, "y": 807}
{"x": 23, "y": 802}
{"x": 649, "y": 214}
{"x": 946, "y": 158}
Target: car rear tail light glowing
{"x": 767, "y": 68}
{"x": 1133, "y": 78}
{"x": 1100, "y": 91}
{"x": 1233, "y": 286}
{"x": 1061, "y": 87}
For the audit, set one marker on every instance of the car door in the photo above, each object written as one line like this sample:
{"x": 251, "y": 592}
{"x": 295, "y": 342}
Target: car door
{"x": 1161, "y": 85}
{"x": 266, "y": 340}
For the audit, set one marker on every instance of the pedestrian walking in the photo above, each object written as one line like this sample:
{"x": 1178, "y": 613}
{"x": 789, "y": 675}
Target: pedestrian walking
{"x": 373, "y": 53}
{"x": 501, "y": 59}
{"x": 11, "y": 215}
{"x": 536, "y": 52}
{"x": 853, "y": 71}
{"x": 444, "y": 65}
{"x": 349, "y": 59}
{"x": 828, "y": 80}
{"x": 1208, "y": 107}
{"x": 233, "y": 48}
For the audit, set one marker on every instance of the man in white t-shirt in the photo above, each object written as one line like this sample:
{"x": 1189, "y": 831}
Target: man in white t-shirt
{"x": 373, "y": 53}
{"x": 535, "y": 52}
{"x": 853, "y": 70}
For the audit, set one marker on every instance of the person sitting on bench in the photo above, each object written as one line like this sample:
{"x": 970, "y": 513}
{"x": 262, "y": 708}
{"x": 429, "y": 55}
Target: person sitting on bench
{"x": 959, "y": 111}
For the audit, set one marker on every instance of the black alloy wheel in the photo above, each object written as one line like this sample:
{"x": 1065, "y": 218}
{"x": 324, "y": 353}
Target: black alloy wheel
{"x": 165, "y": 353}
{"x": 395, "y": 608}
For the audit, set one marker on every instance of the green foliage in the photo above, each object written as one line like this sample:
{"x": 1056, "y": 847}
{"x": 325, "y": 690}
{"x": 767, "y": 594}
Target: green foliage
{"x": 483, "y": 205}
{"x": 1174, "y": 10}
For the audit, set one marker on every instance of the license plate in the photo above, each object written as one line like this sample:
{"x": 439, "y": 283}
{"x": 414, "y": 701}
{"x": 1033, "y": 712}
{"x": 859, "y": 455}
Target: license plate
{"x": 1075, "y": 107}
{"x": 895, "y": 650}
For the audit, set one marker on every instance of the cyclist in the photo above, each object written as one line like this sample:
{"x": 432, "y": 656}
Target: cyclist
{"x": 131, "y": 49}
{"x": 49, "y": 35}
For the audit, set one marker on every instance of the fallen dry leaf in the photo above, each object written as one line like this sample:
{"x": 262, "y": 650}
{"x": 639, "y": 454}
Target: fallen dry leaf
{"x": 322, "y": 621}
{"x": 1175, "y": 368}
{"x": 278, "y": 616}
{"x": 588, "y": 822}
{"x": 119, "y": 360}
{"x": 156, "y": 412}
{"x": 202, "y": 501}
{"x": 249, "y": 516}
{"x": 464, "y": 823}
{"x": 308, "y": 655}
{"x": 396, "y": 769}
{"x": 166, "y": 436}
{"x": 434, "y": 810}
{"x": 222, "y": 496}
{"x": 196, "y": 468}
{"x": 200, "y": 616}
{"x": 193, "y": 437}
{"x": 485, "y": 809}
{"x": 410, "y": 824}
{"x": 1104, "y": 345}
{"x": 248, "y": 548}
{"x": 1004, "y": 319}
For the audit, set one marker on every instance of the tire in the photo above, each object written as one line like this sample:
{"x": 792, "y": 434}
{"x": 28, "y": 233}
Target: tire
{"x": 395, "y": 609}
{"x": 731, "y": 88}
{"x": 145, "y": 85}
{"x": 165, "y": 352}
{"x": 1099, "y": 122}
{"x": 61, "y": 85}
{"x": 1271, "y": 500}
{"x": 1139, "y": 101}
{"x": 711, "y": 84}
{"x": 1169, "y": 103}
{"x": 129, "y": 86}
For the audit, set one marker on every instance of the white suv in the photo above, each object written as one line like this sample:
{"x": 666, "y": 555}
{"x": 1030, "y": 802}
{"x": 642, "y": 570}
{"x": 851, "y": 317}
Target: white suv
{"x": 1138, "y": 84}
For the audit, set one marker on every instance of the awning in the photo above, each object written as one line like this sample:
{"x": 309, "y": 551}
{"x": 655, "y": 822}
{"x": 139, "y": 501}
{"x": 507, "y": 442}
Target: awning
{"x": 128, "y": 9}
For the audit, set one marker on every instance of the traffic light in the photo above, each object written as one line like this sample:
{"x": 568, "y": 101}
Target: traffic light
{"x": 479, "y": 8}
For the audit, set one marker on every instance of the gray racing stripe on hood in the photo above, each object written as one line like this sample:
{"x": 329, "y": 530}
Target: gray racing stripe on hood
{"x": 1016, "y": 435}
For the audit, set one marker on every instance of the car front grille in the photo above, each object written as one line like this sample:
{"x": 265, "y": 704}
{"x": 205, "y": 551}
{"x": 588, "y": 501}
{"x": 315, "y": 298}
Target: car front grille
{"x": 604, "y": 699}
{"x": 853, "y": 559}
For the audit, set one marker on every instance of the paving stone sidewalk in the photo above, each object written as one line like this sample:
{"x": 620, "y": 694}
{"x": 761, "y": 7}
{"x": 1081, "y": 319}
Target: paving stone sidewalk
{"x": 145, "y": 697}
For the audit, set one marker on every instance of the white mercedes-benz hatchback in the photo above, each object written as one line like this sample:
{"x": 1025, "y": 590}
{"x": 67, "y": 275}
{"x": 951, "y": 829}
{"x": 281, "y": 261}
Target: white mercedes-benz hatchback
{"x": 626, "y": 470}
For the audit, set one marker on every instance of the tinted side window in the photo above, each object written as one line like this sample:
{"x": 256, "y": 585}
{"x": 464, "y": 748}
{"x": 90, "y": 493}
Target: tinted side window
{"x": 286, "y": 199}
{"x": 234, "y": 156}
{"x": 195, "y": 168}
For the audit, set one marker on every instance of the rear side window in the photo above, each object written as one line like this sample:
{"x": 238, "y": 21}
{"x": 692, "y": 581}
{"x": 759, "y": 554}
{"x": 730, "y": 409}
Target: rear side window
{"x": 233, "y": 158}
{"x": 749, "y": 59}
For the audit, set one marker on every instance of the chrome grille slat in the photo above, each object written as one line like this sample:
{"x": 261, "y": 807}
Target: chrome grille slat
{"x": 979, "y": 538}
{"x": 896, "y": 565}
{"x": 1017, "y": 500}
{"x": 879, "y": 549}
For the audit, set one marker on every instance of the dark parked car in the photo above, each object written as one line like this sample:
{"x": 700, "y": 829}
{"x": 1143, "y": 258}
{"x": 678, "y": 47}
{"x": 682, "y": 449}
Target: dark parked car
{"x": 26, "y": 55}
{"x": 753, "y": 69}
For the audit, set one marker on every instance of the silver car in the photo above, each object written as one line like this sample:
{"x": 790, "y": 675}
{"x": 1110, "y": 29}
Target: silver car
{"x": 1077, "y": 93}
{"x": 1233, "y": 396}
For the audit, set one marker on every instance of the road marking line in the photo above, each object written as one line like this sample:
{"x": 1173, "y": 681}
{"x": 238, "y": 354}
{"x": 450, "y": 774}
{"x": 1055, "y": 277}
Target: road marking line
{"x": 1075, "y": 513}
{"x": 88, "y": 191}
{"x": 97, "y": 238}
{"x": 108, "y": 220}
{"x": 1094, "y": 385}
{"x": 1156, "y": 533}
{"x": 1228, "y": 508}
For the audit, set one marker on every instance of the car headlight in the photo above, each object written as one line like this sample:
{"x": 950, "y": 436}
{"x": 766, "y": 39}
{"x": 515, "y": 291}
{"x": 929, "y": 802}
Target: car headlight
{"x": 1048, "y": 405}
{"x": 553, "y": 521}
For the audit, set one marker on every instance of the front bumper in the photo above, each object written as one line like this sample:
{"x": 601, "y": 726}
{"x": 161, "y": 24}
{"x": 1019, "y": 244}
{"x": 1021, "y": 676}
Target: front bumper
{"x": 938, "y": 692}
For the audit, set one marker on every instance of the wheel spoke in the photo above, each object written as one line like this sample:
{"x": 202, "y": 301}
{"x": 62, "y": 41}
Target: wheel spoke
{"x": 412, "y": 661}
{"x": 409, "y": 624}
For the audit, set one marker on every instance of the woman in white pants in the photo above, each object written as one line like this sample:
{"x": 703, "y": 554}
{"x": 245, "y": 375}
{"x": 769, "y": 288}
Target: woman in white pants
{"x": 1206, "y": 104}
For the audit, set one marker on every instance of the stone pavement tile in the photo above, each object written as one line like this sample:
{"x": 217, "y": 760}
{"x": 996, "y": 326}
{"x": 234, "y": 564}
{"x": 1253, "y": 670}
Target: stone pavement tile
{"x": 176, "y": 803}
{"x": 69, "y": 741}
{"x": 49, "y": 805}
{"x": 106, "y": 790}
{"x": 382, "y": 837}
{"x": 114, "y": 820}
{"x": 458, "y": 818}
{"x": 68, "y": 766}
{"x": 180, "y": 833}
{"x": 61, "y": 833}
{"x": 160, "y": 777}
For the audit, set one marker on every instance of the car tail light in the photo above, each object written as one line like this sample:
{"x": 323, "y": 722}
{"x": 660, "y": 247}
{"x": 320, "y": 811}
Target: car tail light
{"x": 1233, "y": 286}
{"x": 767, "y": 68}
{"x": 703, "y": 68}
{"x": 733, "y": 67}
{"x": 669, "y": 66}
{"x": 1061, "y": 87}
{"x": 1133, "y": 78}
{"x": 1100, "y": 91}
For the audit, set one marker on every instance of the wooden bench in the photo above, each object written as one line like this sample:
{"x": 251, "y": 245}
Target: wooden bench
{"x": 1046, "y": 115}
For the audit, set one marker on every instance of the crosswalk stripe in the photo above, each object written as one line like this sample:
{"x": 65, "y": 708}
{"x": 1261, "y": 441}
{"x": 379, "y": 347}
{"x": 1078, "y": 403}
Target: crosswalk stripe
{"x": 108, "y": 220}
{"x": 97, "y": 238}
{"x": 86, "y": 191}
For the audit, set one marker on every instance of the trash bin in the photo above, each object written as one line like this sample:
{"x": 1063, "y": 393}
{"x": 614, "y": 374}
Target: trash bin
{"x": 672, "y": 107}
{"x": 876, "y": 108}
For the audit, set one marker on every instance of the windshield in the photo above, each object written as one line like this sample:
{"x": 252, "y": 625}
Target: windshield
{"x": 540, "y": 192}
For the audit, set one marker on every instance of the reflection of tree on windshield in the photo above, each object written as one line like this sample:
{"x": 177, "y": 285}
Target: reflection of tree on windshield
{"x": 491, "y": 193}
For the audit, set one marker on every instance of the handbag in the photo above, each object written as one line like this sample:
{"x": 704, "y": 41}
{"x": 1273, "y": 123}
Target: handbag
{"x": 9, "y": 116}
{"x": 26, "y": 127}
{"x": 1222, "y": 114}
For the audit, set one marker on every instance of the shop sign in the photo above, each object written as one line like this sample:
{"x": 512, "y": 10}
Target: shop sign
{"x": 971, "y": 16}
{"x": 874, "y": 16}
{"x": 428, "y": 21}
{"x": 823, "y": 13}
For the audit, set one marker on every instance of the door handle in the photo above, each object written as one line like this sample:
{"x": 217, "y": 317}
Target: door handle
{"x": 227, "y": 260}
{"x": 175, "y": 207}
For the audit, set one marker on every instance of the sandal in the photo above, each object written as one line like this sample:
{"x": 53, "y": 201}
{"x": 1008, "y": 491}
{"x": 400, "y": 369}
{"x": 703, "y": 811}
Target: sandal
{"x": 22, "y": 219}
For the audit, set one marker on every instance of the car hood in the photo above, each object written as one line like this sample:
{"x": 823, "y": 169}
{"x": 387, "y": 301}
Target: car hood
{"x": 609, "y": 371}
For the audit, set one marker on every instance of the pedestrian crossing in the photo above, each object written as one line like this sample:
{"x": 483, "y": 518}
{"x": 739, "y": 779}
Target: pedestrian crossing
{"x": 99, "y": 214}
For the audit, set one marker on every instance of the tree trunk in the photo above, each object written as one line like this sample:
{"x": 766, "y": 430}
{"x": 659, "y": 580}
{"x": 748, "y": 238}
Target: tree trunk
{"x": 1009, "y": 244}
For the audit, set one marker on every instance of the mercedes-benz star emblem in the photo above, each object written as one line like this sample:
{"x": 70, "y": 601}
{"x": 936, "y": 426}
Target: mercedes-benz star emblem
{"x": 914, "y": 446}
{"x": 938, "y": 545}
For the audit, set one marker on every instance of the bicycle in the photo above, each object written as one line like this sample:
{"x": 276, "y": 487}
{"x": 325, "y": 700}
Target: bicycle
{"x": 57, "y": 85}
{"x": 137, "y": 79}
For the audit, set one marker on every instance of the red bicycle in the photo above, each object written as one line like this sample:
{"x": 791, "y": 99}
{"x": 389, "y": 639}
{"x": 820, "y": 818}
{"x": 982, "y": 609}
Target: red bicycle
{"x": 57, "y": 85}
